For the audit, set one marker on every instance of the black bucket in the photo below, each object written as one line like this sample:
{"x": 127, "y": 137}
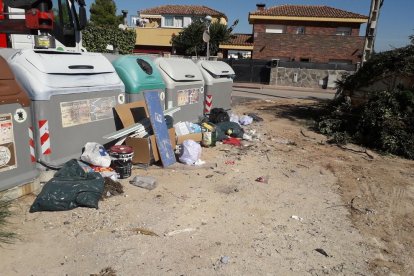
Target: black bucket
{"x": 121, "y": 160}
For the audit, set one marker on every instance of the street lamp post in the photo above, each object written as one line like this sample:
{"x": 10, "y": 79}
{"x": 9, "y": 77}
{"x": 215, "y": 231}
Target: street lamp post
{"x": 206, "y": 35}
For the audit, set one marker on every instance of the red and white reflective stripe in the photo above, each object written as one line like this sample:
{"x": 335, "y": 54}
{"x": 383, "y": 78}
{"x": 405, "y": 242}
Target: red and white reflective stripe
{"x": 208, "y": 103}
{"x": 32, "y": 145}
{"x": 44, "y": 137}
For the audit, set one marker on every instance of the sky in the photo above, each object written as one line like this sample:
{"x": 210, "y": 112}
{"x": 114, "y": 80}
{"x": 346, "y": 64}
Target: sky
{"x": 396, "y": 21}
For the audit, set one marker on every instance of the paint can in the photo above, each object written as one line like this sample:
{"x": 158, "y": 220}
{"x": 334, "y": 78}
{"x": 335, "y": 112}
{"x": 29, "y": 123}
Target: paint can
{"x": 121, "y": 157}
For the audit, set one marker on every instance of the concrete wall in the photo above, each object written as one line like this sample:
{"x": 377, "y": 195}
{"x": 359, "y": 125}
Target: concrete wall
{"x": 312, "y": 78}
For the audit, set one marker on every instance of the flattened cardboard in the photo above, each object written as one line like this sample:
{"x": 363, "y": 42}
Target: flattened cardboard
{"x": 126, "y": 112}
{"x": 197, "y": 137}
{"x": 144, "y": 152}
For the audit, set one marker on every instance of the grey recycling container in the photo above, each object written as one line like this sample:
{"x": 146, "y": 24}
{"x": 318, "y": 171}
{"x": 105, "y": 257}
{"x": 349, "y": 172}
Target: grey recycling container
{"x": 218, "y": 78}
{"x": 184, "y": 87}
{"x": 73, "y": 96}
{"x": 139, "y": 74}
{"x": 17, "y": 156}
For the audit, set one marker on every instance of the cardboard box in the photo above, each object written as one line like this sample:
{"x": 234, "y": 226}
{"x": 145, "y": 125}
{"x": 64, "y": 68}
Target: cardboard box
{"x": 197, "y": 137}
{"x": 145, "y": 149}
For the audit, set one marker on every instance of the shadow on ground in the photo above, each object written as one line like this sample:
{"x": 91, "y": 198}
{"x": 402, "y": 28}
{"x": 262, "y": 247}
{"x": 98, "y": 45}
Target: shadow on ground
{"x": 305, "y": 112}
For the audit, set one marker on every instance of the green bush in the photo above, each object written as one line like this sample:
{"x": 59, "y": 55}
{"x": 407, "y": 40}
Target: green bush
{"x": 386, "y": 121}
{"x": 96, "y": 38}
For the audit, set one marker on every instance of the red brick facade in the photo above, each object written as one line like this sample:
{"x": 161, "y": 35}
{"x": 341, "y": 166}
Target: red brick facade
{"x": 319, "y": 43}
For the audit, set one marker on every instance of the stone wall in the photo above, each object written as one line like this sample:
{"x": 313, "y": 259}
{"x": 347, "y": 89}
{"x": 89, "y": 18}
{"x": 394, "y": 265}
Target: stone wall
{"x": 311, "y": 78}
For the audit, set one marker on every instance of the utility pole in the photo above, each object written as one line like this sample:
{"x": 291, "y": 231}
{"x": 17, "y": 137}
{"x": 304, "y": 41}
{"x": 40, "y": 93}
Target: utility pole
{"x": 371, "y": 29}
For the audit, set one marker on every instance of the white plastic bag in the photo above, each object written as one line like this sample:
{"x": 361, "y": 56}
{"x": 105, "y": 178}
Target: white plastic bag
{"x": 234, "y": 118}
{"x": 245, "y": 120}
{"x": 96, "y": 155}
{"x": 190, "y": 153}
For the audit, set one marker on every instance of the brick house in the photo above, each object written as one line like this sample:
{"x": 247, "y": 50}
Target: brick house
{"x": 307, "y": 33}
{"x": 156, "y": 26}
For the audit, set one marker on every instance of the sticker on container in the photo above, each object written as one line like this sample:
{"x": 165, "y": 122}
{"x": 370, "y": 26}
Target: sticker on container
{"x": 87, "y": 111}
{"x": 121, "y": 99}
{"x": 7, "y": 145}
{"x": 20, "y": 115}
{"x": 188, "y": 96}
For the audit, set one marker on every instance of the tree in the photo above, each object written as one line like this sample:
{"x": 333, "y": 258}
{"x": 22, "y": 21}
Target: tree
{"x": 103, "y": 13}
{"x": 190, "y": 40}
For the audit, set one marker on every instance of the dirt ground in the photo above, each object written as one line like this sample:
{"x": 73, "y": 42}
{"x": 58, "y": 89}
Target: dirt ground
{"x": 324, "y": 210}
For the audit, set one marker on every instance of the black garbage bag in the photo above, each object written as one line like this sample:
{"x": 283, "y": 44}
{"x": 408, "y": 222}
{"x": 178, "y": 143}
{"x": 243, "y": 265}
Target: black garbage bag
{"x": 218, "y": 115}
{"x": 70, "y": 187}
{"x": 225, "y": 129}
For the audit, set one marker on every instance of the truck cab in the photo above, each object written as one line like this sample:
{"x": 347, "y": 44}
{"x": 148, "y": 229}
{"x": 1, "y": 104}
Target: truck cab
{"x": 67, "y": 24}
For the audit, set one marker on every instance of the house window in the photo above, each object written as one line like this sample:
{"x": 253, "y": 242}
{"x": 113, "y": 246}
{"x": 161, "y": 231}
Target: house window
{"x": 187, "y": 21}
{"x": 169, "y": 21}
{"x": 275, "y": 29}
{"x": 178, "y": 21}
{"x": 343, "y": 31}
{"x": 174, "y": 21}
{"x": 300, "y": 30}
{"x": 304, "y": 59}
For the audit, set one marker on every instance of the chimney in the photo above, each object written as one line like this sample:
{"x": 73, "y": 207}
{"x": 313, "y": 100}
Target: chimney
{"x": 125, "y": 17}
{"x": 260, "y": 6}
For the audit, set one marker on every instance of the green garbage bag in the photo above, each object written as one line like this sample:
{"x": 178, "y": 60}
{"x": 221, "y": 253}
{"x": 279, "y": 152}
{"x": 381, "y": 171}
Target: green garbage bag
{"x": 71, "y": 187}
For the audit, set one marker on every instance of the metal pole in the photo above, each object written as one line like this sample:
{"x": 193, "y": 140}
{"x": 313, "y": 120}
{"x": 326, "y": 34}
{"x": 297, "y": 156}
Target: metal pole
{"x": 208, "y": 43}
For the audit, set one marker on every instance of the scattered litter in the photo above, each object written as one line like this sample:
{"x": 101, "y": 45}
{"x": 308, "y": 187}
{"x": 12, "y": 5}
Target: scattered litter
{"x": 263, "y": 179}
{"x": 245, "y": 120}
{"x": 144, "y": 231}
{"x": 225, "y": 259}
{"x": 218, "y": 115}
{"x": 321, "y": 251}
{"x": 297, "y": 218}
{"x": 146, "y": 182}
{"x": 121, "y": 157}
{"x": 111, "y": 188}
{"x": 70, "y": 187}
{"x": 229, "y": 162}
{"x": 96, "y": 154}
{"x": 234, "y": 118}
{"x": 247, "y": 137}
{"x": 255, "y": 117}
{"x": 209, "y": 176}
{"x": 199, "y": 162}
{"x": 175, "y": 232}
{"x": 232, "y": 141}
{"x": 190, "y": 152}
{"x": 284, "y": 141}
{"x": 107, "y": 271}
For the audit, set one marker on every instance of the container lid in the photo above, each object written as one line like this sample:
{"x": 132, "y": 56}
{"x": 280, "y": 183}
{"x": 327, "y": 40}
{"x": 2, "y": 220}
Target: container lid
{"x": 180, "y": 70}
{"x": 217, "y": 68}
{"x": 10, "y": 90}
{"x": 138, "y": 73}
{"x": 121, "y": 149}
{"x": 58, "y": 62}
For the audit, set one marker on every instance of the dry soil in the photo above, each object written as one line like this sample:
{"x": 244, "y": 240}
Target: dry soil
{"x": 320, "y": 210}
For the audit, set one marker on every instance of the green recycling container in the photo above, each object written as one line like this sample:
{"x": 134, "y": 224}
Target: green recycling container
{"x": 139, "y": 74}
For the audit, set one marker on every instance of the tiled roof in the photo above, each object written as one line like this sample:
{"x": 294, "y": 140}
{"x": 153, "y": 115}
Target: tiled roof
{"x": 183, "y": 10}
{"x": 241, "y": 40}
{"x": 307, "y": 11}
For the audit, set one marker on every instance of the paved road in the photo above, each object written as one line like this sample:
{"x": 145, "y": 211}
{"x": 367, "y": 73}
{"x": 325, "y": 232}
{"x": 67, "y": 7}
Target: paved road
{"x": 241, "y": 94}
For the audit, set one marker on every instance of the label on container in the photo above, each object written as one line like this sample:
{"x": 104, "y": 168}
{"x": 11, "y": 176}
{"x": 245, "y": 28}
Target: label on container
{"x": 86, "y": 111}
{"x": 188, "y": 96}
{"x": 7, "y": 145}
